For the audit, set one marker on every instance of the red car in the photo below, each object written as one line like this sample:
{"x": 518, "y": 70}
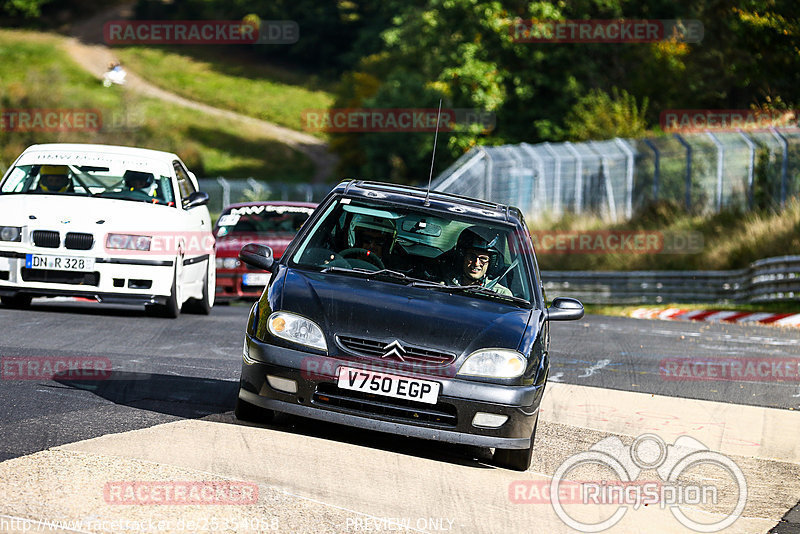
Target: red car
{"x": 271, "y": 223}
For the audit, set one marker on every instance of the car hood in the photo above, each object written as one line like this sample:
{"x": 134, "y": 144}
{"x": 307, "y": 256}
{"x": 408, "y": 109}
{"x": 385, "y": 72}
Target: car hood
{"x": 84, "y": 213}
{"x": 229, "y": 246}
{"x": 350, "y": 306}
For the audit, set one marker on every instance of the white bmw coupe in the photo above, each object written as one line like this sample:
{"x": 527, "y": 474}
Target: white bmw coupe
{"x": 111, "y": 223}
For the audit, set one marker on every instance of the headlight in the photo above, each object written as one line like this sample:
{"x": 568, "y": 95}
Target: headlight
{"x": 128, "y": 242}
{"x": 297, "y": 329}
{"x": 10, "y": 233}
{"x": 494, "y": 363}
{"x": 228, "y": 263}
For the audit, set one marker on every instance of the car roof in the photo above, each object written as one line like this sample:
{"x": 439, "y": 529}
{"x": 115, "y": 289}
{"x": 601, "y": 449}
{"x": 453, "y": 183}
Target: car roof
{"x": 407, "y": 194}
{"x": 103, "y": 149}
{"x": 270, "y": 203}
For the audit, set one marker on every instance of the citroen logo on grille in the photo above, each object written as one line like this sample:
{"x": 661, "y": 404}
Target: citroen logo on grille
{"x": 394, "y": 350}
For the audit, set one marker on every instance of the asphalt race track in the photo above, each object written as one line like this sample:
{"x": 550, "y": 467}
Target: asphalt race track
{"x": 164, "y": 416}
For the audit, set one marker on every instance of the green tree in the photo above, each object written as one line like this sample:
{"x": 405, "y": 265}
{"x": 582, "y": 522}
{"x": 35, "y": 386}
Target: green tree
{"x": 599, "y": 115}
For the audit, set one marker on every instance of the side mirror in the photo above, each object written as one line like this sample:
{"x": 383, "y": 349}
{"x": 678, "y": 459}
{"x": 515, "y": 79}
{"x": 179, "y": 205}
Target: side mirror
{"x": 258, "y": 256}
{"x": 198, "y": 198}
{"x": 565, "y": 309}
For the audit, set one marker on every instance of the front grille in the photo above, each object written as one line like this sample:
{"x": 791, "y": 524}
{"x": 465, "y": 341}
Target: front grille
{"x": 60, "y": 277}
{"x": 77, "y": 241}
{"x": 46, "y": 238}
{"x": 371, "y": 348}
{"x": 439, "y": 414}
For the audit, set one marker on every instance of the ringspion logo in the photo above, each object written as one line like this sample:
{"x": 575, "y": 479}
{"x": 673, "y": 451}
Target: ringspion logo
{"x": 692, "y": 478}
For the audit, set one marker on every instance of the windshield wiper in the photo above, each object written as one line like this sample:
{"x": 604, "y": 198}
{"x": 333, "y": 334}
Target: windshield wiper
{"x": 480, "y": 290}
{"x": 366, "y": 273}
{"x": 492, "y": 293}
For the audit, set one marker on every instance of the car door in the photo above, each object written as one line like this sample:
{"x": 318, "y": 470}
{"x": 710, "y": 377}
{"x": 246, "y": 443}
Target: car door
{"x": 198, "y": 250}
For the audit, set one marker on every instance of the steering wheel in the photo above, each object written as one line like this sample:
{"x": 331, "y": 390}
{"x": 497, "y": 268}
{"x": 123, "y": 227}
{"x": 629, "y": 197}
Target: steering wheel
{"x": 363, "y": 254}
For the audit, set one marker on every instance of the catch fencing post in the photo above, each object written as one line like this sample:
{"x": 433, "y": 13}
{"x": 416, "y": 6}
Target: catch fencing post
{"x": 557, "y": 182}
{"x": 578, "y": 177}
{"x": 628, "y": 175}
{"x": 487, "y": 175}
{"x": 257, "y": 187}
{"x": 750, "y": 169}
{"x": 540, "y": 174}
{"x": 656, "y": 166}
{"x": 226, "y": 191}
{"x": 688, "y": 147}
{"x": 604, "y": 166}
{"x": 720, "y": 163}
{"x": 784, "y": 163}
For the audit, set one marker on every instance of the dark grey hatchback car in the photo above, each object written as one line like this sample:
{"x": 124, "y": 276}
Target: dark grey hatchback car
{"x": 402, "y": 311}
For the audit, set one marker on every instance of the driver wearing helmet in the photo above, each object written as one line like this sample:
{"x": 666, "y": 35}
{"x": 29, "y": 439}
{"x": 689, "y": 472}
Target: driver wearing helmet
{"x": 55, "y": 179}
{"x": 373, "y": 234}
{"x": 476, "y": 252}
{"x": 141, "y": 182}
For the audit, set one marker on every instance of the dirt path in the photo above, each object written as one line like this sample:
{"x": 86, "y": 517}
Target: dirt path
{"x": 86, "y": 49}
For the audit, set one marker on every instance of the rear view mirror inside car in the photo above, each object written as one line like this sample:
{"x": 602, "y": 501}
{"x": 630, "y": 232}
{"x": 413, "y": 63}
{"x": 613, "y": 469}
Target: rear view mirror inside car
{"x": 422, "y": 227}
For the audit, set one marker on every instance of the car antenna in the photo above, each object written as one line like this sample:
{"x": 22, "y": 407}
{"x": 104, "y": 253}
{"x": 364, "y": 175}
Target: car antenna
{"x": 433, "y": 156}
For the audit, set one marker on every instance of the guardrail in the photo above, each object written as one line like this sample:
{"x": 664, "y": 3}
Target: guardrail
{"x": 768, "y": 280}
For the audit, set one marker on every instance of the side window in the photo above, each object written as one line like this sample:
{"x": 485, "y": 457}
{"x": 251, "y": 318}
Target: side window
{"x": 185, "y": 185}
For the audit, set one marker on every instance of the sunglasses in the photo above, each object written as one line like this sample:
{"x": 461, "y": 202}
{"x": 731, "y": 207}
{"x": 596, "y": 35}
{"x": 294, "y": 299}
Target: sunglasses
{"x": 473, "y": 258}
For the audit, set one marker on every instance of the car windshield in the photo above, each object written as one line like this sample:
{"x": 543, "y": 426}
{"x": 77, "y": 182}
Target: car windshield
{"x": 137, "y": 183}
{"x": 420, "y": 248}
{"x": 263, "y": 219}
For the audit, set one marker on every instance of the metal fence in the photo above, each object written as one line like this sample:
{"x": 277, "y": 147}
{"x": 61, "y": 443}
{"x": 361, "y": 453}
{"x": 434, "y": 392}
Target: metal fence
{"x": 768, "y": 280}
{"x": 704, "y": 172}
{"x": 222, "y": 191}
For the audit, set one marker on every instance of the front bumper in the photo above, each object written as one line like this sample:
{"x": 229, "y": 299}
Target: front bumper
{"x": 450, "y": 420}
{"x": 116, "y": 279}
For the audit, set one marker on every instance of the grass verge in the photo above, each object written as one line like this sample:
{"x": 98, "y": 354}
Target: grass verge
{"x": 626, "y": 310}
{"x": 728, "y": 240}
{"x": 224, "y": 80}
{"x": 35, "y": 73}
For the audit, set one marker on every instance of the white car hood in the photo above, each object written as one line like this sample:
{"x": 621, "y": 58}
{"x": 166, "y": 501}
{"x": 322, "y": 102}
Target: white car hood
{"x": 83, "y": 213}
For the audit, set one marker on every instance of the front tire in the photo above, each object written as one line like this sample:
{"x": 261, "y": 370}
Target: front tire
{"x": 516, "y": 459}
